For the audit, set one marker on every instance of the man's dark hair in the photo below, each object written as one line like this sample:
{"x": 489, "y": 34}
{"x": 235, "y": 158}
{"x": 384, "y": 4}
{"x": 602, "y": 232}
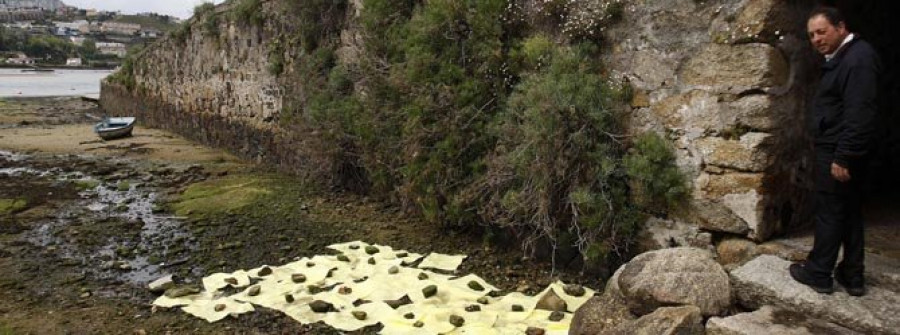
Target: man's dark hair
{"x": 832, "y": 14}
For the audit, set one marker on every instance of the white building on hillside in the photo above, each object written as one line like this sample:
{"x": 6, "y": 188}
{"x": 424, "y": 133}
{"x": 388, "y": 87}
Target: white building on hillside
{"x": 73, "y": 62}
{"x": 117, "y": 49}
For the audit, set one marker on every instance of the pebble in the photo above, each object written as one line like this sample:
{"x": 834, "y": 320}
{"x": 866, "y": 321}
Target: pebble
{"x": 313, "y": 289}
{"x": 574, "y": 290}
{"x": 265, "y": 271}
{"x": 85, "y": 295}
{"x": 371, "y": 250}
{"x": 219, "y": 307}
{"x": 320, "y": 306}
{"x": 393, "y": 270}
{"x": 253, "y": 291}
{"x": 556, "y": 316}
{"x": 310, "y": 264}
{"x": 409, "y": 316}
{"x": 345, "y": 290}
{"x": 475, "y": 286}
{"x": 483, "y": 300}
{"x": 289, "y": 298}
{"x": 419, "y": 324}
{"x": 179, "y": 292}
{"x": 423, "y": 276}
{"x": 534, "y": 331}
{"x": 551, "y": 302}
{"x": 298, "y": 277}
{"x": 457, "y": 320}
{"x": 518, "y": 308}
{"x": 359, "y": 315}
{"x": 473, "y": 308}
{"x": 429, "y": 291}
{"x": 231, "y": 281}
{"x": 371, "y": 260}
{"x": 343, "y": 258}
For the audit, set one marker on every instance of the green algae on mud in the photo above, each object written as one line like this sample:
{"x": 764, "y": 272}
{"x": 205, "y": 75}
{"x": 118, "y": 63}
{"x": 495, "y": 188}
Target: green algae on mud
{"x": 221, "y": 196}
{"x": 10, "y": 206}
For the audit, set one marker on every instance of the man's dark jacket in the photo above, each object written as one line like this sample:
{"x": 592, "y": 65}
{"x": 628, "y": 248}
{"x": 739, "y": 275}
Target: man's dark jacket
{"x": 844, "y": 111}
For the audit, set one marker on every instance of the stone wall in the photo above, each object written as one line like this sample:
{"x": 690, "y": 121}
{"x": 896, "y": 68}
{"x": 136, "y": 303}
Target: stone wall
{"x": 719, "y": 78}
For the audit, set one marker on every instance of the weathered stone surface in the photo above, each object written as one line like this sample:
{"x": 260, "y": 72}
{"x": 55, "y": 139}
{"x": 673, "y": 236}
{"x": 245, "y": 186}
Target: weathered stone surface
{"x": 162, "y": 284}
{"x": 551, "y": 302}
{"x": 696, "y": 109}
{"x": 677, "y": 276}
{"x": 749, "y": 207}
{"x": 754, "y": 111}
{"x": 660, "y": 234}
{"x": 736, "y": 68}
{"x": 715, "y": 216}
{"x": 736, "y": 251}
{"x": 717, "y": 185}
{"x": 683, "y": 320}
{"x": 770, "y": 320}
{"x": 766, "y": 281}
{"x": 599, "y": 314}
{"x": 747, "y": 154}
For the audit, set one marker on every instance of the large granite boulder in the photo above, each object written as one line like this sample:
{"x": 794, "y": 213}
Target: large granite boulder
{"x": 672, "y": 277}
{"x": 600, "y": 314}
{"x": 770, "y": 320}
{"x": 736, "y": 251}
{"x": 736, "y": 68}
{"x": 683, "y": 320}
{"x": 766, "y": 281}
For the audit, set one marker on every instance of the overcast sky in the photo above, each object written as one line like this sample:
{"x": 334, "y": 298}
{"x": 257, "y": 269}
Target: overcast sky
{"x": 179, "y": 8}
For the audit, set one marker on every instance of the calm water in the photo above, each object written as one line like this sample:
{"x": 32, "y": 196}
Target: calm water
{"x": 15, "y": 83}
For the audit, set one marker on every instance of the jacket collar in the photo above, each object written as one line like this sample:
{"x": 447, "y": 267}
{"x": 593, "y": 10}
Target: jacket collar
{"x": 839, "y": 55}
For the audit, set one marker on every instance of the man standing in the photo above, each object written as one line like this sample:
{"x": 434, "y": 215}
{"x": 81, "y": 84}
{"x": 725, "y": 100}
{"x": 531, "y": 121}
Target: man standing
{"x": 843, "y": 116}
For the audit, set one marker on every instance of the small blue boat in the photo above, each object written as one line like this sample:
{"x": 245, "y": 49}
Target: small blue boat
{"x": 115, "y": 127}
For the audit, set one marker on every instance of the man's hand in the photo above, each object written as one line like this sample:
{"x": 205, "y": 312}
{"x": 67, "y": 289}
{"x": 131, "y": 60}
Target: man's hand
{"x": 840, "y": 173}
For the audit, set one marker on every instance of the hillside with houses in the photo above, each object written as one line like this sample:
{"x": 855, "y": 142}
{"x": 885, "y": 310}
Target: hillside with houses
{"x": 51, "y": 33}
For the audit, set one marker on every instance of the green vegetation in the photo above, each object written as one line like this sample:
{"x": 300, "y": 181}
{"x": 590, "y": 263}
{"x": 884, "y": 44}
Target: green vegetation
{"x": 86, "y": 184}
{"x": 469, "y": 115}
{"x": 220, "y": 196}
{"x": 248, "y": 12}
{"x": 12, "y": 206}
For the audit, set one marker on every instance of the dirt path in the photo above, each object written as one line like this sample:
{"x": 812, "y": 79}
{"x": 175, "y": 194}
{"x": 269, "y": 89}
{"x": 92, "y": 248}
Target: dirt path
{"x": 86, "y": 224}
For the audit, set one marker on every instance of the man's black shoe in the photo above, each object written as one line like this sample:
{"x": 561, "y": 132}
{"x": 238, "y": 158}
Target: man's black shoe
{"x": 854, "y": 290}
{"x": 803, "y": 277}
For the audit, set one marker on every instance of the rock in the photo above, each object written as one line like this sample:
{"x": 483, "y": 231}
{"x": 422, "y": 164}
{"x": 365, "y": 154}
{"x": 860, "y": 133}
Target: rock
{"x": 429, "y": 291}
{"x": 475, "y": 286}
{"x": 715, "y": 216}
{"x": 399, "y": 302}
{"x": 85, "y": 295}
{"x": 765, "y": 281}
{"x": 343, "y": 258}
{"x": 750, "y": 207}
{"x": 736, "y": 251}
{"x": 574, "y": 290}
{"x": 661, "y": 234}
{"x": 457, "y": 320}
{"x": 748, "y": 154}
{"x": 265, "y": 271}
{"x": 770, "y": 320}
{"x": 178, "y": 292}
{"x": 298, "y": 278}
{"x": 423, "y": 276}
{"x": 677, "y": 276}
{"x": 354, "y": 246}
{"x": 737, "y": 68}
{"x": 231, "y": 281}
{"x": 360, "y": 315}
{"x": 473, "y": 308}
{"x": 289, "y": 298}
{"x": 320, "y": 306}
{"x": 683, "y": 320}
{"x": 371, "y": 249}
{"x": 313, "y": 289}
{"x": 600, "y": 313}
{"x": 253, "y": 290}
{"x": 371, "y": 260}
{"x": 162, "y": 284}
{"x": 409, "y": 316}
{"x": 393, "y": 270}
{"x": 219, "y": 307}
{"x": 345, "y": 290}
{"x": 483, "y": 300}
{"x": 556, "y": 316}
{"x": 418, "y": 324}
{"x": 551, "y": 302}
{"x": 535, "y": 331}
{"x": 517, "y": 308}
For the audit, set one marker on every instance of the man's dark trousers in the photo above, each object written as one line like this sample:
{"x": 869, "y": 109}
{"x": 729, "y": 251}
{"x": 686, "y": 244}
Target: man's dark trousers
{"x": 839, "y": 223}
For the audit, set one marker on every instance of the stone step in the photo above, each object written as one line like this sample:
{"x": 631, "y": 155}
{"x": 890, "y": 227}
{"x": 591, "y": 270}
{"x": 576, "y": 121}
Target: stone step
{"x": 772, "y": 320}
{"x": 880, "y": 270}
{"x": 765, "y": 281}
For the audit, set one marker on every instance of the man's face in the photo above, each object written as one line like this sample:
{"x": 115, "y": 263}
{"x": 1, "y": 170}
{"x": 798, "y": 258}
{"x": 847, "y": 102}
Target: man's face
{"x": 825, "y": 37}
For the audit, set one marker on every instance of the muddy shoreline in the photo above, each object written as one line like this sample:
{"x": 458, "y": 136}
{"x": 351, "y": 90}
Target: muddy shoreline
{"x": 86, "y": 224}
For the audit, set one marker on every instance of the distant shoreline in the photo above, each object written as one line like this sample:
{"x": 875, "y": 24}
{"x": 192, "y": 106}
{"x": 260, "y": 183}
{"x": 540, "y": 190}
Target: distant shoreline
{"x": 55, "y": 67}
